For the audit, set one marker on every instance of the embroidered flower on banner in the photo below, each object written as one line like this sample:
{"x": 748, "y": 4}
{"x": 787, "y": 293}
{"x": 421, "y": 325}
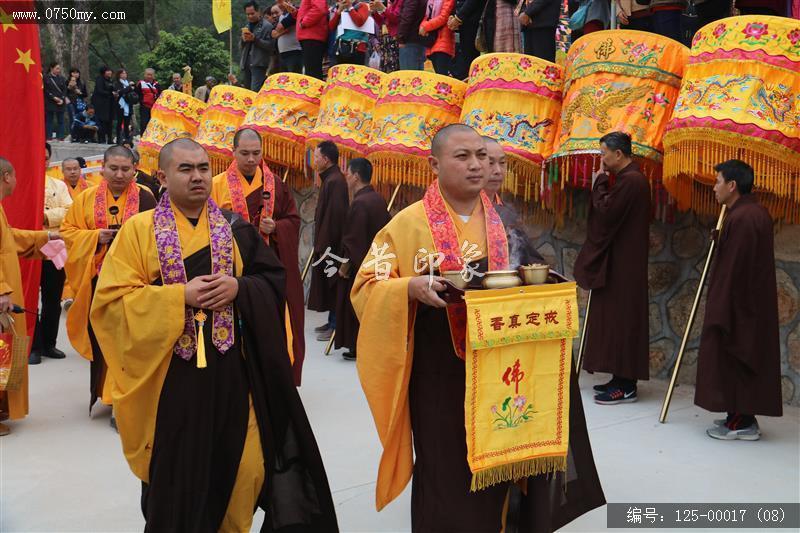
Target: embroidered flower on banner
{"x": 552, "y": 73}
{"x": 303, "y": 82}
{"x": 493, "y": 63}
{"x": 183, "y": 104}
{"x": 373, "y": 79}
{"x": 248, "y": 101}
{"x": 525, "y": 63}
{"x": 719, "y": 30}
{"x": 475, "y": 71}
{"x": 228, "y": 97}
{"x": 350, "y": 71}
{"x": 755, "y": 30}
{"x": 283, "y": 79}
{"x": 394, "y": 84}
{"x": 697, "y": 38}
{"x": 443, "y": 89}
{"x": 416, "y": 82}
{"x": 794, "y": 37}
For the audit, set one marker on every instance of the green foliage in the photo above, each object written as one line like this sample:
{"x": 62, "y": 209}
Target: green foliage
{"x": 193, "y": 46}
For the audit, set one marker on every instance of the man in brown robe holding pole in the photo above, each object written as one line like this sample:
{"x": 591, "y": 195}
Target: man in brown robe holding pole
{"x": 613, "y": 265}
{"x": 249, "y": 189}
{"x": 368, "y": 213}
{"x": 329, "y": 220}
{"x": 739, "y": 363}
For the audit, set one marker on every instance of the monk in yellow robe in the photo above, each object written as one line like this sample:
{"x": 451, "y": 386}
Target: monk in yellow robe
{"x": 88, "y": 230}
{"x": 410, "y": 358}
{"x": 187, "y": 314}
{"x": 73, "y": 178}
{"x": 14, "y": 243}
{"x": 249, "y": 189}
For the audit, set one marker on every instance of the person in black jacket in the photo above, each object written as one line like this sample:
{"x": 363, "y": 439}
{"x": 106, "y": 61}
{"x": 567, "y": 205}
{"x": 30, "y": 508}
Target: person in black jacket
{"x": 76, "y": 91}
{"x": 539, "y": 22}
{"x": 465, "y": 20}
{"x": 103, "y": 100}
{"x": 126, "y": 98}
{"x": 55, "y": 101}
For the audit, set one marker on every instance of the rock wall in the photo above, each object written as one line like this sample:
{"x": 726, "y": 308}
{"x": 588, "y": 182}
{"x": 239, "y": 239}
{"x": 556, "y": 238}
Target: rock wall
{"x": 677, "y": 256}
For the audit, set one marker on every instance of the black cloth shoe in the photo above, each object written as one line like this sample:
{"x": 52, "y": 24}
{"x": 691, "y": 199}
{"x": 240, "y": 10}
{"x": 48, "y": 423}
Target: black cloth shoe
{"x": 54, "y": 353}
{"x": 349, "y": 356}
{"x": 34, "y": 358}
{"x": 323, "y": 327}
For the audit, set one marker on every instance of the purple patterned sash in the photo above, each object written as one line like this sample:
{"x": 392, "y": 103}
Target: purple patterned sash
{"x": 170, "y": 260}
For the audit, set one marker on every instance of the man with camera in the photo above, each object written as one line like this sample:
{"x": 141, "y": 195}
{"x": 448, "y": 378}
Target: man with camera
{"x": 258, "y": 47}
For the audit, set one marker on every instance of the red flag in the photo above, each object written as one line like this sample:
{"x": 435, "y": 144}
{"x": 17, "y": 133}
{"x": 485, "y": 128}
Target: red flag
{"x": 22, "y": 134}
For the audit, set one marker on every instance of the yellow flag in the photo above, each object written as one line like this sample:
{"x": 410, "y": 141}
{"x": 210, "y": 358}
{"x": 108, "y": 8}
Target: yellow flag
{"x": 221, "y": 11}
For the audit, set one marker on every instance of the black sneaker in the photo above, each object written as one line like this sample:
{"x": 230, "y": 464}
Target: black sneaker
{"x": 35, "y": 358}
{"x": 604, "y": 387}
{"x": 616, "y": 395}
{"x": 349, "y": 356}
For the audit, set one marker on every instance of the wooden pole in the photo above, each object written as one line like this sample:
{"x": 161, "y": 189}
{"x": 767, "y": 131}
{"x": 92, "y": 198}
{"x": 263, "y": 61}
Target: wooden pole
{"x": 230, "y": 50}
{"x": 388, "y": 208}
{"x": 668, "y": 398}
{"x": 582, "y": 346}
{"x": 285, "y": 175}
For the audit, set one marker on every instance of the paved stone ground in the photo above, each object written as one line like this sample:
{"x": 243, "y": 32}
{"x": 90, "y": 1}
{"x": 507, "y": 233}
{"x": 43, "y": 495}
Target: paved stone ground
{"x": 62, "y": 471}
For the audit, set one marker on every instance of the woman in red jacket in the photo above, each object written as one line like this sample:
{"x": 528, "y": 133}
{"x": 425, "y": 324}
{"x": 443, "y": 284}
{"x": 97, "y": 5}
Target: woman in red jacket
{"x": 443, "y": 50}
{"x": 312, "y": 32}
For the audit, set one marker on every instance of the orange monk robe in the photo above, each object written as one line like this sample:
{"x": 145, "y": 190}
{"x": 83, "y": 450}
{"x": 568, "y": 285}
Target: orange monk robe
{"x": 284, "y": 241}
{"x": 386, "y": 340}
{"x": 15, "y": 243}
{"x": 84, "y": 257}
{"x": 79, "y": 187}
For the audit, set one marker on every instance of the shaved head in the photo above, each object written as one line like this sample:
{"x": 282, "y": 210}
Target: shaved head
{"x": 117, "y": 151}
{"x": 5, "y": 166}
{"x": 65, "y": 162}
{"x": 442, "y": 136}
{"x": 245, "y": 133}
{"x": 8, "y": 178}
{"x": 166, "y": 153}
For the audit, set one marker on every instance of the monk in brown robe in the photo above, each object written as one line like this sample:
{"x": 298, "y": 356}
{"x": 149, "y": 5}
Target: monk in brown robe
{"x": 415, "y": 382}
{"x": 739, "y": 363}
{"x": 368, "y": 213}
{"x": 249, "y": 189}
{"x": 329, "y": 220}
{"x": 613, "y": 264}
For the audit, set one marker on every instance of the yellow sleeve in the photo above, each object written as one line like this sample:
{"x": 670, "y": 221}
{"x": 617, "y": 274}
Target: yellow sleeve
{"x": 137, "y": 325}
{"x": 29, "y": 242}
{"x": 5, "y": 283}
{"x": 219, "y": 191}
{"x": 81, "y": 240}
{"x": 385, "y": 348}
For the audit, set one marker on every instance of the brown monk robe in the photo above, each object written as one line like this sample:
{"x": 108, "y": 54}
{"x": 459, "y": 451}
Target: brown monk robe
{"x": 739, "y": 363}
{"x": 368, "y": 213}
{"x": 282, "y": 227}
{"x": 613, "y": 264}
{"x": 329, "y": 220}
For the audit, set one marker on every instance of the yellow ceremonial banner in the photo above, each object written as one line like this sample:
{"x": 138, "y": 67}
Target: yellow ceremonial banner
{"x": 221, "y": 11}
{"x": 740, "y": 99}
{"x": 516, "y": 404}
